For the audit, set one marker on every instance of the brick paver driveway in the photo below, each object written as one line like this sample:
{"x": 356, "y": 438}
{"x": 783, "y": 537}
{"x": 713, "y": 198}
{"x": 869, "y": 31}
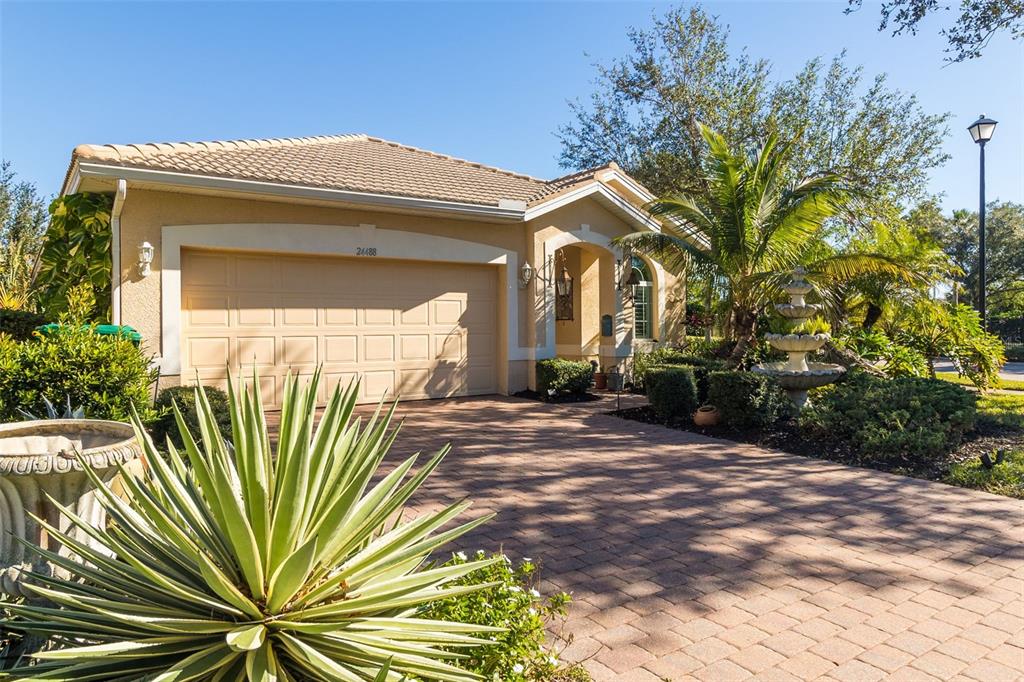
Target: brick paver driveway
{"x": 691, "y": 558}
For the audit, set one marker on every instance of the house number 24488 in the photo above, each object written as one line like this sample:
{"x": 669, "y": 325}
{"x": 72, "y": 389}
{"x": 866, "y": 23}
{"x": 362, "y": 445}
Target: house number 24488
{"x": 366, "y": 250}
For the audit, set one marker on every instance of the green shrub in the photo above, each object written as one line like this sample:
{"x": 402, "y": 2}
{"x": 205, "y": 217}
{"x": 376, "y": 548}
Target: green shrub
{"x": 672, "y": 392}
{"x": 907, "y": 421}
{"x": 643, "y": 362}
{"x": 564, "y": 376}
{"x": 105, "y": 375}
{"x": 521, "y": 652}
{"x": 185, "y": 398}
{"x": 76, "y": 250}
{"x": 745, "y": 399}
{"x": 19, "y": 324}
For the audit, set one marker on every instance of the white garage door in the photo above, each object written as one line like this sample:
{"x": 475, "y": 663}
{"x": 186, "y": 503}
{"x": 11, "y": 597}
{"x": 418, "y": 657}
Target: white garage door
{"x": 407, "y": 329}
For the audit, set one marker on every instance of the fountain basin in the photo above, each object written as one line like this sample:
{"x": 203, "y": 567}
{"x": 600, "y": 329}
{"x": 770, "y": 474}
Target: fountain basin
{"x": 817, "y": 374}
{"x": 38, "y": 462}
{"x": 797, "y": 312}
{"x": 800, "y": 288}
{"x": 797, "y": 342}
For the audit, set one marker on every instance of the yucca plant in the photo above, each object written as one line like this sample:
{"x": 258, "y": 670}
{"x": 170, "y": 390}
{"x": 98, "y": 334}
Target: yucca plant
{"x": 239, "y": 561}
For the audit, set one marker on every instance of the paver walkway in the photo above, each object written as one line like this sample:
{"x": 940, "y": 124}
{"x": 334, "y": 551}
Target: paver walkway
{"x": 694, "y": 558}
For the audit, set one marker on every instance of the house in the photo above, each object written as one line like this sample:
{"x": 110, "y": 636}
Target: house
{"x": 427, "y": 275}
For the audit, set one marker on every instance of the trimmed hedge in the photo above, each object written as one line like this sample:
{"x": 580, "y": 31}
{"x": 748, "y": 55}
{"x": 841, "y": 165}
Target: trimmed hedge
{"x": 105, "y": 375}
{"x": 644, "y": 362}
{"x": 905, "y": 421}
{"x": 672, "y": 392}
{"x": 564, "y": 376}
{"x": 745, "y": 399}
{"x": 185, "y": 397}
{"x": 19, "y": 324}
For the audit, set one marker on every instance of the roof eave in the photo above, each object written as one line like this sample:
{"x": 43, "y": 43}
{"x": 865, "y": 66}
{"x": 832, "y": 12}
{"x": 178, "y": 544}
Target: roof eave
{"x": 633, "y": 214}
{"x": 504, "y": 212}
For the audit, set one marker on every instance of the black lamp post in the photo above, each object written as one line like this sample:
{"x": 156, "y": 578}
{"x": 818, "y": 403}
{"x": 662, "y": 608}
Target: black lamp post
{"x": 982, "y": 130}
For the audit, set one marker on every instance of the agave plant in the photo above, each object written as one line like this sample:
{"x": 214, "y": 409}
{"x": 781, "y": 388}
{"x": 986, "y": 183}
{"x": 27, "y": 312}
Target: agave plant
{"x": 51, "y": 411}
{"x": 239, "y": 561}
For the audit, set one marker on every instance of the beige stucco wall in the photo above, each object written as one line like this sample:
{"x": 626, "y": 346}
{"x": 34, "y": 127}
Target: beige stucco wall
{"x": 147, "y": 211}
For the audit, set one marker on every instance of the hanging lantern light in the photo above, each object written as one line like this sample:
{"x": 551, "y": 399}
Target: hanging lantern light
{"x": 563, "y": 285}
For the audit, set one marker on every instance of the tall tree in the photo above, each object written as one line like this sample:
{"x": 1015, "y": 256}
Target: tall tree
{"x": 979, "y": 20}
{"x": 750, "y": 228}
{"x": 647, "y": 106}
{"x": 1004, "y": 246}
{"x": 22, "y": 224}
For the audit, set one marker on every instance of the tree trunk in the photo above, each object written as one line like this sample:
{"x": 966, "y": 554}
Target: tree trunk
{"x": 744, "y": 328}
{"x": 848, "y": 358}
{"x": 874, "y": 312}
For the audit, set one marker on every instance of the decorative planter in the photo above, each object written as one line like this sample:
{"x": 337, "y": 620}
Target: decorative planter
{"x": 600, "y": 380}
{"x": 707, "y": 415}
{"x": 38, "y": 461}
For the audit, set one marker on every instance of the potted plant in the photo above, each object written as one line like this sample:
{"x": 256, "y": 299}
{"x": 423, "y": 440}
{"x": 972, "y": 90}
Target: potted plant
{"x": 600, "y": 377}
{"x": 706, "y": 415}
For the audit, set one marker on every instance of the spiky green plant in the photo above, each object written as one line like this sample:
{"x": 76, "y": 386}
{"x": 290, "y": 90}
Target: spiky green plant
{"x": 236, "y": 561}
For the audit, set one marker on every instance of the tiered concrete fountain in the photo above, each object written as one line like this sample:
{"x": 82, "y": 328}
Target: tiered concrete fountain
{"x": 797, "y": 375}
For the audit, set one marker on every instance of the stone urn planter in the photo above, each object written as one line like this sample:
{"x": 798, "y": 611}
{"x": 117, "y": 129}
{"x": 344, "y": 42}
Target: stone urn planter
{"x": 38, "y": 461}
{"x": 706, "y": 415}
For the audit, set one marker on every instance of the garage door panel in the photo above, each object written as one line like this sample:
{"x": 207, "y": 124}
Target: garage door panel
{"x": 418, "y": 330}
{"x": 209, "y": 270}
{"x": 257, "y": 273}
{"x": 415, "y": 347}
{"x": 298, "y": 351}
{"x": 338, "y": 314}
{"x": 341, "y": 349}
{"x": 208, "y": 311}
{"x": 379, "y": 317}
{"x": 260, "y": 351}
{"x": 256, "y": 310}
{"x": 378, "y": 348}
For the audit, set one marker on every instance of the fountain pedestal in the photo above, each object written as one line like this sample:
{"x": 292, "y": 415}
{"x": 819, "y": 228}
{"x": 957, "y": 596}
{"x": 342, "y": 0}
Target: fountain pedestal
{"x": 797, "y": 376}
{"x": 38, "y": 462}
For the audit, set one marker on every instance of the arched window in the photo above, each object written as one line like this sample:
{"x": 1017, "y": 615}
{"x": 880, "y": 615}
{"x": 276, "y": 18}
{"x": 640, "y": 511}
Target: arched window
{"x": 643, "y": 299}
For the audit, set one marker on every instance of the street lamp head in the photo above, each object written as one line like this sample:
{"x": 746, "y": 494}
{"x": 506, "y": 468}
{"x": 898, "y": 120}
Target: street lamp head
{"x": 982, "y": 129}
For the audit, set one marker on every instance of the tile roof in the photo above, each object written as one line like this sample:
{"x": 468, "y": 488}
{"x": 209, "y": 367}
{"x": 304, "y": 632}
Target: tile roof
{"x": 356, "y": 163}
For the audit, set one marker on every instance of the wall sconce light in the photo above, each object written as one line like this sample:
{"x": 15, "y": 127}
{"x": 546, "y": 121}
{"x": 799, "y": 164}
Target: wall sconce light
{"x": 146, "y": 252}
{"x": 525, "y": 274}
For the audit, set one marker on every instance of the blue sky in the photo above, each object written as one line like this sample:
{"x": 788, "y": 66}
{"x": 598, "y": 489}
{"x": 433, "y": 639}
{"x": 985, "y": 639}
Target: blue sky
{"x": 484, "y": 81}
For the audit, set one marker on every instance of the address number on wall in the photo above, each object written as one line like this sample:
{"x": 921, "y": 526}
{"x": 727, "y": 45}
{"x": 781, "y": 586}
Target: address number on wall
{"x": 366, "y": 250}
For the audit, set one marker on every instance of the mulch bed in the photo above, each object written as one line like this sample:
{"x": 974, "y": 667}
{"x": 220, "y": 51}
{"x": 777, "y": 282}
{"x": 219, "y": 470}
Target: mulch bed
{"x": 786, "y": 436}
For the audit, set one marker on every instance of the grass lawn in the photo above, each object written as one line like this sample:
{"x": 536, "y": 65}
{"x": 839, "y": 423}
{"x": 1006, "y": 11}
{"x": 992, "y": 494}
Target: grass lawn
{"x": 1002, "y": 408}
{"x": 1006, "y": 478}
{"x": 955, "y": 378}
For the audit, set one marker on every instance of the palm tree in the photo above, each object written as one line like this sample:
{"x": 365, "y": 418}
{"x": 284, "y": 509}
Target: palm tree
{"x": 751, "y": 228}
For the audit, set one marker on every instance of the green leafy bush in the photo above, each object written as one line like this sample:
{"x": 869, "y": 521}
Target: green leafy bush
{"x": 745, "y": 399}
{"x": 104, "y": 375}
{"x": 672, "y": 392}
{"x": 20, "y": 324}
{"x": 564, "y": 376}
{"x": 185, "y": 398}
{"x": 901, "y": 361}
{"x": 643, "y": 362}
{"x": 76, "y": 251}
{"x": 293, "y": 561}
{"x": 521, "y": 652}
{"x": 907, "y": 422}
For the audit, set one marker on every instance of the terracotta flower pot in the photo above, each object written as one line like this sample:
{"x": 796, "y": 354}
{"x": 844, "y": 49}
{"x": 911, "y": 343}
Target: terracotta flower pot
{"x": 600, "y": 380}
{"x": 707, "y": 415}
